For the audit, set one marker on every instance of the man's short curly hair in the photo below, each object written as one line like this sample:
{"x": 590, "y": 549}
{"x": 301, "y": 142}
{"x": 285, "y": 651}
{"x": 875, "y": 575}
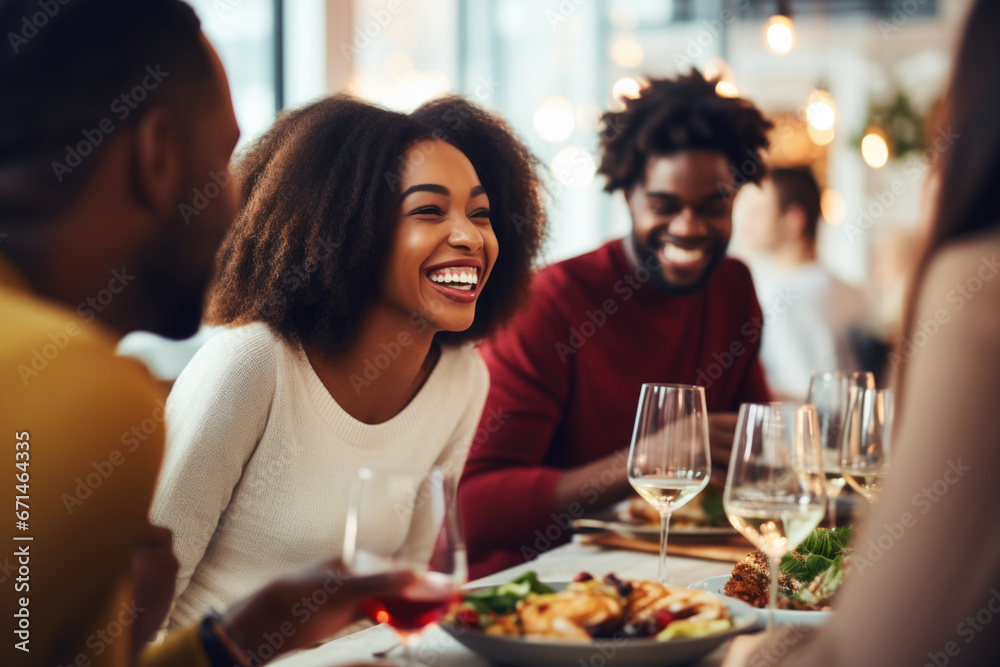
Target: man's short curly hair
{"x": 685, "y": 113}
{"x": 320, "y": 193}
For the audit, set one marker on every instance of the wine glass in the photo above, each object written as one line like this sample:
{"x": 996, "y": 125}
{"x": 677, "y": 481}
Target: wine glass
{"x": 399, "y": 521}
{"x": 867, "y": 443}
{"x": 668, "y": 461}
{"x": 774, "y": 490}
{"x": 829, "y": 391}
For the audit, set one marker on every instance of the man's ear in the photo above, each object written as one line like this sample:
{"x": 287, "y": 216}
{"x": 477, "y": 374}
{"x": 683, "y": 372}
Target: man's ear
{"x": 157, "y": 160}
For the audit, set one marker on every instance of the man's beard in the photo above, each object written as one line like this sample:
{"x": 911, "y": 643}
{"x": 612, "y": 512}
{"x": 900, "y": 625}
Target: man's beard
{"x": 168, "y": 295}
{"x": 647, "y": 257}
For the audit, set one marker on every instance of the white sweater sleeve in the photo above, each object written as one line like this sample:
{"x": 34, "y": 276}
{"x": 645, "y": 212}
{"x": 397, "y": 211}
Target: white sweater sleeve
{"x": 216, "y": 415}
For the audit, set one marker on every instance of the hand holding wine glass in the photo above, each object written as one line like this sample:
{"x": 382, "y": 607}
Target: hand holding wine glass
{"x": 830, "y": 392}
{"x": 668, "y": 461}
{"x": 774, "y": 491}
{"x": 432, "y": 548}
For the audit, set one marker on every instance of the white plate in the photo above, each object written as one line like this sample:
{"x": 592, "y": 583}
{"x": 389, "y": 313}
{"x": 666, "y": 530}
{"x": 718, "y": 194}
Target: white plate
{"x": 633, "y": 652}
{"x": 717, "y": 585}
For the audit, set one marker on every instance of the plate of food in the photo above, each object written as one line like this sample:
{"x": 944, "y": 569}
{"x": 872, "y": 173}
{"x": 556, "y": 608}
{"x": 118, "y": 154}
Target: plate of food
{"x": 703, "y": 516}
{"x": 528, "y": 622}
{"x": 808, "y": 579}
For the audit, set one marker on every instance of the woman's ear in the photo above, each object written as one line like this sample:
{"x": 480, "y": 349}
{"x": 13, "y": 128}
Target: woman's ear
{"x": 157, "y": 160}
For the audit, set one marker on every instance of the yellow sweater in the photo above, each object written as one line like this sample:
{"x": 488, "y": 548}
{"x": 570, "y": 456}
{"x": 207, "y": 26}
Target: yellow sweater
{"x": 87, "y": 429}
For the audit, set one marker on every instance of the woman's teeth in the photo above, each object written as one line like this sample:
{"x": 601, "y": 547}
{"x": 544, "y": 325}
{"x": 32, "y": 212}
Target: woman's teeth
{"x": 673, "y": 253}
{"x": 456, "y": 277}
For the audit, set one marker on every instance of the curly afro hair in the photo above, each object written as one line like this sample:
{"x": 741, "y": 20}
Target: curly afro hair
{"x": 320, "y": 191}
{"x": 685, "y": 113}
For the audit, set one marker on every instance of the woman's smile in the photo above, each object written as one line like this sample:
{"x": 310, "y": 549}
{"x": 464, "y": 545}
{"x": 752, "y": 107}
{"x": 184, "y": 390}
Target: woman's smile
{"x": 457, "y": 280}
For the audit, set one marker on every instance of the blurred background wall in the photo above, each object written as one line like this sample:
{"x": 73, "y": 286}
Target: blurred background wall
{"x": 853, "y": 87}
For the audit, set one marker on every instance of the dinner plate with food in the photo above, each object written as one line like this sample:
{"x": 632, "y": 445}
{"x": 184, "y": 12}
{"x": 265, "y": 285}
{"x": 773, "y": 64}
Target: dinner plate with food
{"x": 703, "y": 516}
{"x": 633, "y": 622}
{"x": 808, "y": 579}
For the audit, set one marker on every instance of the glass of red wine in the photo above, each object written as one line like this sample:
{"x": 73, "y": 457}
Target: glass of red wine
{"x": 400, "y": 521}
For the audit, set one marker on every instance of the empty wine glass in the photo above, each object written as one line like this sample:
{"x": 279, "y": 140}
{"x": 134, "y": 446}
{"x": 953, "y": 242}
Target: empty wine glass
{"x": 866, "y": 447}
{"x": 399, "y": 521}
{"x": 774, "y": 490}
{"x": 829, "y": 391}
{"x": 668, "y": 461}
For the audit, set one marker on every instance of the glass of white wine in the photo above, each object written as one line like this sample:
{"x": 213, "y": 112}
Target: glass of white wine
{"x": 774, "y": 490}
{"x": 668, "y": 462}
{"x": 867, "y": 442}
{"x": 830, "y": 392}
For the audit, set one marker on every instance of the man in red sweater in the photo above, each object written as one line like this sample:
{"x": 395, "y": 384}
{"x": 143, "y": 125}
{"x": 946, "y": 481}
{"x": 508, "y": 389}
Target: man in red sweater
{"x": 663, "y": 305}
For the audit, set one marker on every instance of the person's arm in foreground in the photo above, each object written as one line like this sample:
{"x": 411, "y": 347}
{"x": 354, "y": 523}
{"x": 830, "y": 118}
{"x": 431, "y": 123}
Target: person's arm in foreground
{"x": 291, "y": 613}
{"x": 925, "y": 577}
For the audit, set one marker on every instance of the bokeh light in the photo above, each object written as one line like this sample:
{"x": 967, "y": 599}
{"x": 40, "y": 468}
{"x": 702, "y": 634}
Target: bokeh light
{"x": 554, "y": 119}
{"x": 874, "y": 149}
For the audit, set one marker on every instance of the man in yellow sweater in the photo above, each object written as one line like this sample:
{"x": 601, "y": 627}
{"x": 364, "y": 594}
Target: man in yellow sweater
{"x": 116, "y": 131}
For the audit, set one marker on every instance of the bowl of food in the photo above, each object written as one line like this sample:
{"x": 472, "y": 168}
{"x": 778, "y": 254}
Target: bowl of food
{"x": 808, "y": 578}
{"x": 627, "y": 622}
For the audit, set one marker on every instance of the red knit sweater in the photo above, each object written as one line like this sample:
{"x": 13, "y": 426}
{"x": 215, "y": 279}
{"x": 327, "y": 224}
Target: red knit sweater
{"x": 564, "y": 384}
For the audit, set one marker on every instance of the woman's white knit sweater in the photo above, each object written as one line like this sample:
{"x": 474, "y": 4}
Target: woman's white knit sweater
{"x": 260, "y": 460}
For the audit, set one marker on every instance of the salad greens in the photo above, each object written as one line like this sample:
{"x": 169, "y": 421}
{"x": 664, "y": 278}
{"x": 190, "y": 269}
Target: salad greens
{"x": 818, "y": 564}
{"x": 503, "y": 599}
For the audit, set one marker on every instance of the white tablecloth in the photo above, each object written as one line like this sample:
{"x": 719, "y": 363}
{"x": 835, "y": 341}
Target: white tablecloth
{"x": 437, "y": 648}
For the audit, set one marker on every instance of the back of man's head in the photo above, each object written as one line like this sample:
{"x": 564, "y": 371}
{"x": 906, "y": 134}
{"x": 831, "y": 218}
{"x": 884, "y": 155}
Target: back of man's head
{"x": 796, "y": 186}
{"x": 72, "y": 73}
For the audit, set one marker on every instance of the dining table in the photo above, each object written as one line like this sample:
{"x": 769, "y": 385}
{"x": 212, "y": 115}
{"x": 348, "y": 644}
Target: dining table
{"x": 436, "y": 647}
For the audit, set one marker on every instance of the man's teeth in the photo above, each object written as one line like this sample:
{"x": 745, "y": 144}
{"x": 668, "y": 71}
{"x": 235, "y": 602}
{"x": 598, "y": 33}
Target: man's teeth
{"x": 673, "y": 253}
{"x": 456, "y": 277}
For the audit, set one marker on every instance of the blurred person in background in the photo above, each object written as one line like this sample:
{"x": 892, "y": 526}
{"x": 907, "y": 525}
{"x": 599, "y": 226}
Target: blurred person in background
{"x": 809, "y": 314}
{"x": 924, "y": 584}
{"x": 662, "y": 305}
{"x": 113, "y": 113}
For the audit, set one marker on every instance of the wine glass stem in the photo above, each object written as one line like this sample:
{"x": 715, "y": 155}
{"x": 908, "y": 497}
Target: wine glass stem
{"x": 664, "y": 531}
{"x": 772, "y": 594}
{"x": 406, "y": 640}
{"x": 832, "y": 510}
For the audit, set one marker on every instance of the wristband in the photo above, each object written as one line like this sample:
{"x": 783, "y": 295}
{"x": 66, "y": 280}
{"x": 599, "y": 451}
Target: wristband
{"x": 222, "y": 650}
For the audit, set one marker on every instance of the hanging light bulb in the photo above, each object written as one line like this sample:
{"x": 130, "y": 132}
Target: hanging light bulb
{"x": 821, "y": 115}
{"x": 820, "y": 109}
{"x": 779, "y": 33}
